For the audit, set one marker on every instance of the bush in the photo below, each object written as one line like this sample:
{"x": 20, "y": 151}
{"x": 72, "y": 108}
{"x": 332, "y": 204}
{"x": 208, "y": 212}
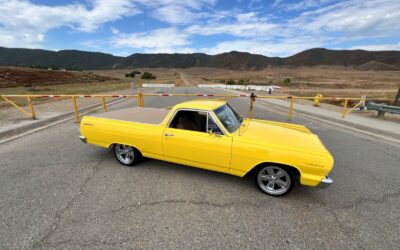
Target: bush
{"x": 244, "y": 81}
{"x": 132, "y": 74}
{"x": 286, "y": 80}
{"x": 231, "y": 82}
{"x": 222, "y": 81}
{"x": 148, "y": 75}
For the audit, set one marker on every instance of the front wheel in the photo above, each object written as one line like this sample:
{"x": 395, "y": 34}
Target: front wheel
{"x": 126, "y": 155}
{"x": 274, "y": 180}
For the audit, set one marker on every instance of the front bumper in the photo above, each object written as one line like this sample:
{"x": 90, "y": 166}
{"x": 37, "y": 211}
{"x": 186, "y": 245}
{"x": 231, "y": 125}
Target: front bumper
{"x": 83, "y": 139}
{"x": 326, "y": 181}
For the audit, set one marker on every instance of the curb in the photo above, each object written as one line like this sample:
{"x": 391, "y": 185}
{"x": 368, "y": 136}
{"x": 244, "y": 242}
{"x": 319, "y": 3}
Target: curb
{"x": 340, "y": 121}
{"x": 336, "y": 121}
{"x": 20, "y": 130}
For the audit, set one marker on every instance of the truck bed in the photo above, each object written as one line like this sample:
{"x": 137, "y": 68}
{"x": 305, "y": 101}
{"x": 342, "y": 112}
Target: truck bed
{"x": 136, "y": 114}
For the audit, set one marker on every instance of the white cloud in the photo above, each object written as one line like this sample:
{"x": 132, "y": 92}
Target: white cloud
{"x": 166, "y": 40}
{"x": 283, "y": 48}
{"x": 245, "y": 25}
{"x": 379, "y": 47}
{"x": 311, "y": 23}
{"x": 305, "y": 4}
{"x": 23, "y": 23}
{"x": 114, "y": 30}
{"x": 176, "y": 12}
{"x": 356, "y": 19}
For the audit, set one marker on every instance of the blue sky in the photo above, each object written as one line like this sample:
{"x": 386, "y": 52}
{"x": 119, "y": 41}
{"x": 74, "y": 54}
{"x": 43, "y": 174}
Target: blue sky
{"x": 268, "y": 27}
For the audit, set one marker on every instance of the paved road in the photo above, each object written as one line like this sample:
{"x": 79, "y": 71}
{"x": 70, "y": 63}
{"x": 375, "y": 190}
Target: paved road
{"x": 58, "y": 193}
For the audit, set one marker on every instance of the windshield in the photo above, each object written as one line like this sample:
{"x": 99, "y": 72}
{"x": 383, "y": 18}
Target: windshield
{"x": 228, "y": 117}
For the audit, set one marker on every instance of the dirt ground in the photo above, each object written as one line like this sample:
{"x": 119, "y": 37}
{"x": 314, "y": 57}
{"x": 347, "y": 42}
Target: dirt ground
{"x": 37, "y": 78}
{"x": 379, "y": 85}
{"x": 333, "y": 81}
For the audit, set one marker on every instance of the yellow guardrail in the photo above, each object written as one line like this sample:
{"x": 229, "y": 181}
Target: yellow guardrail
{"x": 140, "y": 100}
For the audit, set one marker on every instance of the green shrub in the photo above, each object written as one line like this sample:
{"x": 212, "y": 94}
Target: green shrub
{"x": 231, "y": 82}
{"x": 286, "y": 80}
{"x": 148, "y": 75}
{"x": 244, "y": 81}
{"x": 132, "y": 74}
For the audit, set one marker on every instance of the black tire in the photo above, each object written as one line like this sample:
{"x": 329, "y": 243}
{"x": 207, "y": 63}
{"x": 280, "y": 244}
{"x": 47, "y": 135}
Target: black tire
{"x": 126, "y": 155}
{"x": 274, "y": 180}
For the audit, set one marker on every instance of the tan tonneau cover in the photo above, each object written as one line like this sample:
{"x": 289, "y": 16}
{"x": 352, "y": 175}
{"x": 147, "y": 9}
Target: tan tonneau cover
{"x": 142, "y": 115}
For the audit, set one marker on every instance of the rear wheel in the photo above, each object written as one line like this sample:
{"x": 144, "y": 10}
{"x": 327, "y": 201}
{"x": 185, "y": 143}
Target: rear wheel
{"x": 274, "y": 180}
{"x": 126, "y": 155}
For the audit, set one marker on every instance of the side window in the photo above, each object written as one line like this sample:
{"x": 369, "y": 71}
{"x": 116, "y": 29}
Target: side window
{"x": 190, "y": 120}
{"x": 211, "y": 125}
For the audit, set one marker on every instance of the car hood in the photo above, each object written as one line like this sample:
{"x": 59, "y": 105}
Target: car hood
{"x": 295, "y": 137}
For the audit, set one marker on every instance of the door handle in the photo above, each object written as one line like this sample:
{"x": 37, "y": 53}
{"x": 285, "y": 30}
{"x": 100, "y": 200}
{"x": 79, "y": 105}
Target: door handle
{"x": 168, "y": 134}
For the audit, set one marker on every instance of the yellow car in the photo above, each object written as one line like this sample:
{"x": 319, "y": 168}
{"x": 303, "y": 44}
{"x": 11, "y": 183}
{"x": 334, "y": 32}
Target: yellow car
{"x": 209, "y": 134}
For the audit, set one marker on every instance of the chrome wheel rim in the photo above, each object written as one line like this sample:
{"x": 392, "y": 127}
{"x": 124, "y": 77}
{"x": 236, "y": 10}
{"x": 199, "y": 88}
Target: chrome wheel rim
{"x": 125, "y": 153}
{"x": 274, "y": 180}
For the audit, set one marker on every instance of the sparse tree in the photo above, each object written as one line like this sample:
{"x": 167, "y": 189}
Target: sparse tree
{"x": 286, "y": 80}
{"x": 148, "y": 76}
{"x": 230, "y": 82}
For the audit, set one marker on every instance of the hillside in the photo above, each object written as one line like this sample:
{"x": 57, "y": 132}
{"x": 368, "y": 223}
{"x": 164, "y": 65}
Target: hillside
{"x": 374, "y": 65}
{"x": 67, "y": 59}
{"x": 320, "y": 56}
{"x": 15, "y": 77}
{"x": 82, "y": 60}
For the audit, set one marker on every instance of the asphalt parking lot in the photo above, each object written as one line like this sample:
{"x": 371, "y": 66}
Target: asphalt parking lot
{"x": 58, "y": 193}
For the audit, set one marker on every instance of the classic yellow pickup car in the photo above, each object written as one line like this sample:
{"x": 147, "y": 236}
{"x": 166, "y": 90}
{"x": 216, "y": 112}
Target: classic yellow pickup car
{"x": 209, "y": 134}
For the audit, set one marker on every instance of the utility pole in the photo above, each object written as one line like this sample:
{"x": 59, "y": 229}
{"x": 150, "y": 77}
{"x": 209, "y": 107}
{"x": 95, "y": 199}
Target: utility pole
{"x": 396, "y": 99}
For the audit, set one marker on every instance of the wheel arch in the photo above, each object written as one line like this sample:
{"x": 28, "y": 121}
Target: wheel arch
{"x": 112, "y": 145}
{"x": 293, "y": 170}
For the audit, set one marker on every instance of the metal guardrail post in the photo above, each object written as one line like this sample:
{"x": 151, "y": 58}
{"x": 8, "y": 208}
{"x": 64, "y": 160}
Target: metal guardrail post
{"x": 103, "y": 100}
{"x": 291, "y": 107}
{"x": 75, "y": 109}
{"x": 31, "y": 107}
{"x": 346, "y": 102}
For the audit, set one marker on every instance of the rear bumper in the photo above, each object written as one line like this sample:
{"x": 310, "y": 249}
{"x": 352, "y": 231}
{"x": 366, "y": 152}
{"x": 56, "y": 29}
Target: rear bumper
{"x": 82, "y": 138}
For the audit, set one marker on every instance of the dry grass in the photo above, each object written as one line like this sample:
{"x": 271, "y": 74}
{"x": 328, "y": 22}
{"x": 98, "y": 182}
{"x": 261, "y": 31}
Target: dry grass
{"x": 305, "y": 81}
{"x": 309, "y": 81}
{"x": 163, "y": 75}
{"x": 66, "y": 89}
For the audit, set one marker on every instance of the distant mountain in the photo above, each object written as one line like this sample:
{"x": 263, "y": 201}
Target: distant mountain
{"x": 67, "y": 59}
{"x": 166, "y": 60}
{"x": 230, "y": 60}
{"x": 321, "y": 56}
{"x": 82, "y": 60}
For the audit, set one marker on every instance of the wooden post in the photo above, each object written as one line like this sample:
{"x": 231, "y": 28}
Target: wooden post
{"x": 139, "y": 99}
{"x": 103, "y": 100}
{"x": 346, "y": 101}
{"x": 31, "y": 107}
{"x": 396, "y": 99}
{"x": 291, "y": 107}
{"x": 75, "y": 109}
